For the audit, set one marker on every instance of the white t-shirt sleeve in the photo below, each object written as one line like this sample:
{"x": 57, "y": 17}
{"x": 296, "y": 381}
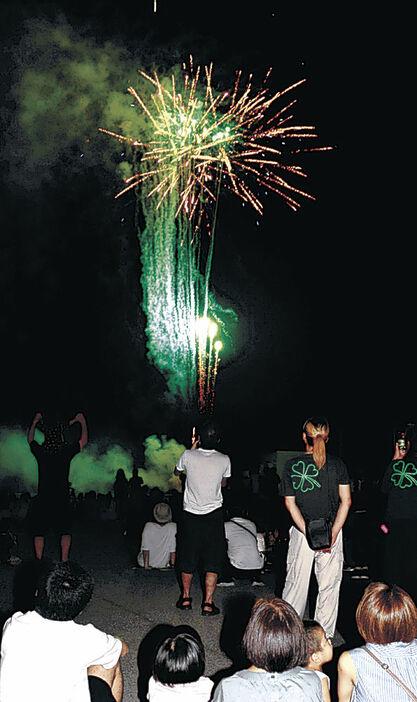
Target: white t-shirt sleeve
{"x": 105, "y": 649}
{"x": 228, "y": 469}
{"x": 181, "y": 466}
{"x": 147, "y": 542}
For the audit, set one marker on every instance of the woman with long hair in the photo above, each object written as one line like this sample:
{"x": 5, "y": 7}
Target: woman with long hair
{"x": 385, "y": 669}
{"x": 316, "y": 490}
{"x": 276, "y": 646}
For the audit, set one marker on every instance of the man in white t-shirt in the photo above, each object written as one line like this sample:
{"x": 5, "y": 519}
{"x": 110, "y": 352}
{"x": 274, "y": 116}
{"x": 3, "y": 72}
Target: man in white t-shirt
{"x": 48, "y": 657}
{"x": 158, "y": 546}
{"x": 244, "y": 559}
{"x": 201, "y": 540}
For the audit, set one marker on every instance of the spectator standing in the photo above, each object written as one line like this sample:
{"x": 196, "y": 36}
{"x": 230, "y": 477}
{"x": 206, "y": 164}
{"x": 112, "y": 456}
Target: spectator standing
{"x": 315, "y": 486}
{"x": 52, "y": 506}
{"x": 399, "y": 485}
{"x": 201, "y": 541}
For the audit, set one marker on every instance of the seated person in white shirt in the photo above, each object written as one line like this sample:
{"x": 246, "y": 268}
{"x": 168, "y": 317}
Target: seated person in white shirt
{"x": 245, "y": 560}
{"x": 158, "y": 546}
{"x": 46, "y": 656}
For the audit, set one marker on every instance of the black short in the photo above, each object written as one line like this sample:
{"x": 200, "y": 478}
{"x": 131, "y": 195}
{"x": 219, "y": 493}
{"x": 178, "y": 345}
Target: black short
{"x": 47, "y": 515}
{"x": 99, "y": 690}
{"x": 201, "y": 542}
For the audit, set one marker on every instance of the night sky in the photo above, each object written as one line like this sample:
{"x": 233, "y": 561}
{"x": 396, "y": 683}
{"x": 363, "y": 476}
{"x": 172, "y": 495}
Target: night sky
{"x": 325, "y": 297}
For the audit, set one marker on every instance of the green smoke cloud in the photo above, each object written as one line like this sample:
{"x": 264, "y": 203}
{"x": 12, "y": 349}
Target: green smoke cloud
{"x": 161, "y": 457}
{"x": 65, "y": 86}
{"x": 94, "y": 468}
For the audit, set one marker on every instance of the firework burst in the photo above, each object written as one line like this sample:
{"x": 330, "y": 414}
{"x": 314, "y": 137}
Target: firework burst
{"x": 199, "y": 141}
{"x": 200, "y": 136}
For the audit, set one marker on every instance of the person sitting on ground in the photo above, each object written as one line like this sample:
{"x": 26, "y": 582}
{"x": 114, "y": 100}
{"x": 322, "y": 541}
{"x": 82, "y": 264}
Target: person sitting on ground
{"x": 244, "y": 559}
{"x": 178, "y": 670}
{"x": 275, "y": 643}
{"x": 48, "y": 657}
{"x": 386, "y": 618}
{"x": 320, "y": 651}
{"x": 158, "y": 545}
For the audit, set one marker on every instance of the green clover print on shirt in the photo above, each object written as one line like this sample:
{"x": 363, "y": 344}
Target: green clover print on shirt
{"x": 303, "y": 475}
{"x": 404, "y": 475}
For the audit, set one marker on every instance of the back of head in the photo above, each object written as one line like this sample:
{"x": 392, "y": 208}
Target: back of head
{"x": 64, "y": 590}
{"x": 314, "y": 633}
{"x": 274, "y": 639}
{"x": 179, "y": 659}
{"x": 316, "y": 430}
{"x": 209, "y": 434}
{"x": 386, "y": 613}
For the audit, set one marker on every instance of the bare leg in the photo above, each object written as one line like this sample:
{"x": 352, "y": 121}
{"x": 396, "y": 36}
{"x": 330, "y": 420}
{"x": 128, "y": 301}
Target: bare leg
{"x": 113, "y": 677}
{"x": 210, "y": 583}
{"x": 186, "y": 584}
{"x": 39, "y": 543}
{"x": 65, "y": 546}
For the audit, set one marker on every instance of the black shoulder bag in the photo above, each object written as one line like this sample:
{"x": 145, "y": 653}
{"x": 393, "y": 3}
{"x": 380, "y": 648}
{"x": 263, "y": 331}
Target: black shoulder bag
{"x": 319, "y": 531}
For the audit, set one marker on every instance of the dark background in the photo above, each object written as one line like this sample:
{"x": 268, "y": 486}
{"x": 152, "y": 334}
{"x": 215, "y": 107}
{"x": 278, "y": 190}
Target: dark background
{"x": 325, "y": 297}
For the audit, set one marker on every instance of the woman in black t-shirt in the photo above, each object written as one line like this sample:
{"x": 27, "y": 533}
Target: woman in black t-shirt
{"x": 315, "y": 486}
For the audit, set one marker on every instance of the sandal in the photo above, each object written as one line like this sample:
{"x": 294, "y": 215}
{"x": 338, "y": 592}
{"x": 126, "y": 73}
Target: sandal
{"x": 184, "y": 603}
{"x": 209, "y": 612}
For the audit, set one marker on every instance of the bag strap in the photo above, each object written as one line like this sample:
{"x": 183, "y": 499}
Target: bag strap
{"x": 386, "y": 667}
{"x": 245, "y": 528}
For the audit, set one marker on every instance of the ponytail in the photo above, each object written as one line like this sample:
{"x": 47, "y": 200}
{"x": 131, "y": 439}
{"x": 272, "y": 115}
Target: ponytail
{"x": 317, "y": 432}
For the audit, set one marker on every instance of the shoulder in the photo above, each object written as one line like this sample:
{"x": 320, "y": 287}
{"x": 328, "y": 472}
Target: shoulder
{"x": 345, "y": 662}
{"x": 337, "y": 464}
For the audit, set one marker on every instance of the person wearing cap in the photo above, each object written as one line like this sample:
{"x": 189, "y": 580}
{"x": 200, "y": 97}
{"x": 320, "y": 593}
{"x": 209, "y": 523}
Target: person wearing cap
{"x": 315, "y": 486}
{"x": 158, "y": 545}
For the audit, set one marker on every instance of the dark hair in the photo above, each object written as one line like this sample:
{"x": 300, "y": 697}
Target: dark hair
{"x": 314, "y": 633}
{"x": 179, "y": 659}
{"x": 64, "y": 589}
{"x": 209, "y": 434}
{"x": 386, "y": 613}
{"x": 274, "y": 639}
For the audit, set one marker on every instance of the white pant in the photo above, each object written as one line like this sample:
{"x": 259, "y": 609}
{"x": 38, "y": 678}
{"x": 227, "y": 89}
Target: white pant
{"x": 328, "y": 568}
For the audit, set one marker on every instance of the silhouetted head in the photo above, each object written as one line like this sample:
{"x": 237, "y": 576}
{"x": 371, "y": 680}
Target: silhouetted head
{"x": 179, "y": 659}
{"x": 64, "y": 590}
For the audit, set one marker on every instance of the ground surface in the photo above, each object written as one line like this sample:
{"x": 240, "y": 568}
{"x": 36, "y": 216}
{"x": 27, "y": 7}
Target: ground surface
{"x": 139, "y": 605}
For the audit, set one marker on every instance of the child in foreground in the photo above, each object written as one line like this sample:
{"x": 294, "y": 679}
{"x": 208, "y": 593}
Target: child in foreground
{"x": 178, "y": 671}
{"x": 320, "y": 652}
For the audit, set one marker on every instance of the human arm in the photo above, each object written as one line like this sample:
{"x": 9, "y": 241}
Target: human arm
{"x": 325, "y": 690}
{"x": 346, "y": 677}
{"x": 31, "y": 433}
{"x": 342, "y": 512}
{"x": 295, "y": 513}
{"x": 79, "y": 417}
{"x": 146, "y": 560}
{"x": 172, "y": 559}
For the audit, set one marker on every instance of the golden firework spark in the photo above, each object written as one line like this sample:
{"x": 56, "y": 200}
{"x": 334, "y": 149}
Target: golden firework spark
{"x": 203, "y": 141}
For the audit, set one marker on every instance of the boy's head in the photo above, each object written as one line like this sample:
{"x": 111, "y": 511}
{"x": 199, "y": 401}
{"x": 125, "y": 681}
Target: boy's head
{"x": 64, "y": 590}
{"x": 320, "y": 649}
